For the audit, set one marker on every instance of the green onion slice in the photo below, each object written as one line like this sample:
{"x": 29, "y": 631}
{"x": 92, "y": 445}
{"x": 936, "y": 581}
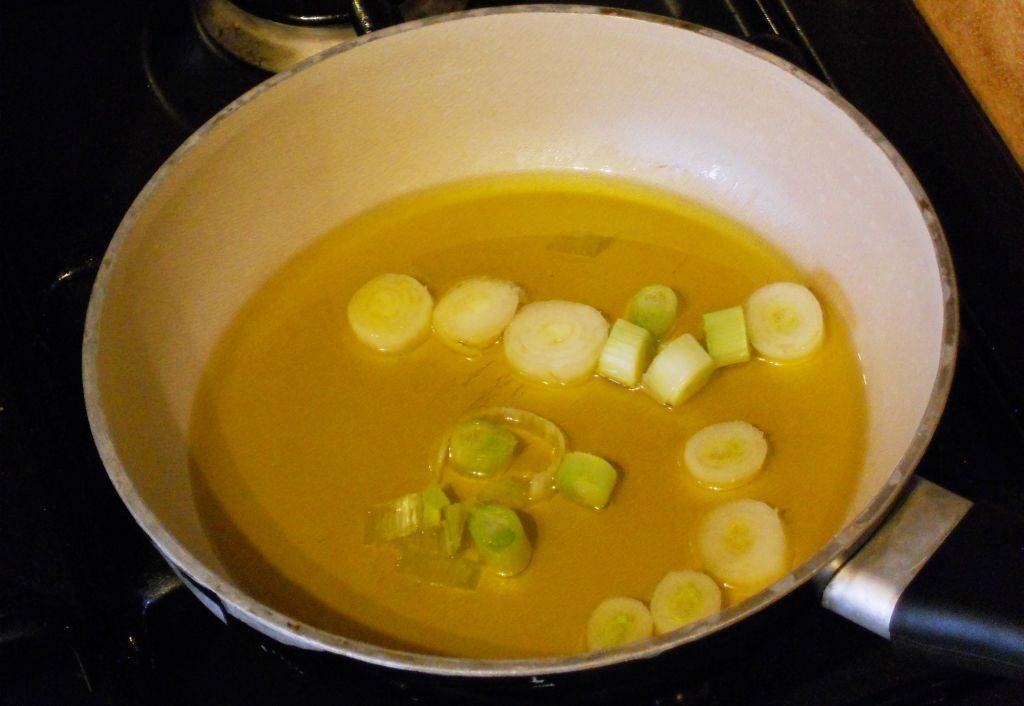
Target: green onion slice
{"x": 500, "y": 539}
{"x": 438, "y": 569}
{"x": 725, "y": 334}
{"x": 586, "y": 479}
{"x": 398, "y": 518}
{"x": 654, "y": 308}
{"x": 626, "y": 353}
{"x": 481, "y": 448}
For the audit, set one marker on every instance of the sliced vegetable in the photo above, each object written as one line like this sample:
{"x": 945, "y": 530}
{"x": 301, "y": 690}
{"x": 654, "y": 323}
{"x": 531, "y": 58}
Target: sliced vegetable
{"x": 555, "y": 341}
{"x": 500, "y": 539}
{"x": 626, "y": 353}
{"x": 618, "y": 621}
{"x": 726, "y": 455}
{"x": 511, "y": 492}
{"x": 683, "y": 597}
{"x": 481, "y": 448}
{"x": 680, "y": 369}
{"x": 586, "y": 479}
{"x": 453, "y": 525}
{"x": 397, "y": 518}
{"x": 785, "y": 321}
{"x": 438, "y": 569}
{"x": 474, "y": 312}
{"x": 390, "y": 313}
{"x": 725, "y": 334}
{"x": 434, "y": 500}
{"x": 653, "y": 308}
{"x": 743, "y": 544}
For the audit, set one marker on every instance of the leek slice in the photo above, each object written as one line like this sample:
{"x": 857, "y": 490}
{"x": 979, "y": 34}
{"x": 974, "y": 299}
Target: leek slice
{"x": 726, "y": 455}
{"x": 530, "y": 428}
{"x": 654, "y": 308}
{"x": 481, "y": 448}
{"x": 680, "y": 369}
{"x": 434, "y": 501}
{"x": 500, "y": 539}
{"x": 683, "y": 597}
{"x": 398, "y": 518}
{"x": 586, "y": 479}
{"x": 785, "y": 321}
{"x": 438, "y": 569}
{"x": 725, "y": 334}
{"x": 555, "y": 341}
{"x": 390, "y": 313}
{"x": 626, "y": 353}
{"x": 618, "y": 621}
{"x": 474, "y": 312}
{"x": 453, "y": 524}
{"x": 743, "y": 544}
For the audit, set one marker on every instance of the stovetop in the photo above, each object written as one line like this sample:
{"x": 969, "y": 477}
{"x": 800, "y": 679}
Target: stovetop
{"x": 97, "y": 95}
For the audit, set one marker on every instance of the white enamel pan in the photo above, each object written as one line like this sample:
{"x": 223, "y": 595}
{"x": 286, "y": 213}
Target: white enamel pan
{"x": 552, "y": 88}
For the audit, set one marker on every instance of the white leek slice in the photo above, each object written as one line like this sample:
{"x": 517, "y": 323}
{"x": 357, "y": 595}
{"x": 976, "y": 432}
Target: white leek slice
{"x": 725, "y": 334}
{"x": 680, "y": 369}
{"x": 725, "y": 455}
{"x": 785, "y": 321}
{"x": 743, "y": 544}
{"x": 474, "y": 312}
{"x": 555, "y": 341}
{"x": 390, "y": 313}
{"x": 683, "y": 597}
{"x": 618, "y": 621}
{"x": 626, "y": 353}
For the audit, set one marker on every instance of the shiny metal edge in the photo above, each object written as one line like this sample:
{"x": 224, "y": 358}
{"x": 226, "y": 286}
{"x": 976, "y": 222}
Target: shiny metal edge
{"x": 868, "y": 587}
{"x": 823, "y": 564}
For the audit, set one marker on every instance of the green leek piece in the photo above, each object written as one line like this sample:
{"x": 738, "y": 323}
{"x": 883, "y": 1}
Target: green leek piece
{"x": 398, "y": 518}
{"x": 586, "y": 479}
{"x": 680, "y": 369}
{"x": 500, "y": 539}
{"x": 511, "y": 492}
{"x": 438, "y": 569}
{"x": 626, "y": 353}
{"x": 434, "y": 500}
{"x": 653, "y": 308}
{"x": 481, "y": 448}
{"x": 725, "y": 334}
{"x": 453, "y": 524}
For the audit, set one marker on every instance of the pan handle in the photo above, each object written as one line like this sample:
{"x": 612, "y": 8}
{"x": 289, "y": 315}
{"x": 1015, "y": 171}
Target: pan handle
{"x": 942, "y": 578}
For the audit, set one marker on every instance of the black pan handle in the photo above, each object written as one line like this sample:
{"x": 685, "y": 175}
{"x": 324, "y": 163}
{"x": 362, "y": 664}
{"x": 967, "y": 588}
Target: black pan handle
{"x": 371, "y": 15}
{"x": 942, "y": 578}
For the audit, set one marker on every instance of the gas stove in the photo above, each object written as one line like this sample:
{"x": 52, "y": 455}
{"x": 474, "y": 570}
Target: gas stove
{"x": 97, "y": 95}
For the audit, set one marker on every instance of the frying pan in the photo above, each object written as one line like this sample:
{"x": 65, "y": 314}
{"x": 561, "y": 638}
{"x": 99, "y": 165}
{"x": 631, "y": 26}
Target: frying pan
{"x": 672, "y": 105}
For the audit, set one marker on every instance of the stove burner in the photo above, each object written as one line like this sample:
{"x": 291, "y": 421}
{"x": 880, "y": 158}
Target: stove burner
{"x": 270, "y": 44}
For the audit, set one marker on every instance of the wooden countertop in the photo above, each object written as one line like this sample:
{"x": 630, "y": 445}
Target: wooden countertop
{"x": 985, "y": 39}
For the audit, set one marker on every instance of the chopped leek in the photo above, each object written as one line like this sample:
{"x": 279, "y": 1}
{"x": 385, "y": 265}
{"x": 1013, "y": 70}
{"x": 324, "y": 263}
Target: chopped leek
{"x": 586, "y": 479}
{"x": 555, "y": 341}
{"x": 453, "y": 523}
{"x": 512, "y": 492}
{"x": 653, "y": 308}
{"x": 618, "y": 621}
{"x": 438, "y": 569}
{"x": 390, "y": 313}
{"x": 474, "y": 312}
{"x": 725, "y": 334}
{"x": 785, "y": 321}
{"x": 626, "y": 353}
{"x": 743, "y": 544}
{"x": 683, "y": 597}
{"x": 725, "y": 455}
{"x": 678, "y": 371}
{"x": 398, "y": 518}
{"x": 500, "y": 539}
{"x": 434, "y": 500}
{"x": 481, "y": 448}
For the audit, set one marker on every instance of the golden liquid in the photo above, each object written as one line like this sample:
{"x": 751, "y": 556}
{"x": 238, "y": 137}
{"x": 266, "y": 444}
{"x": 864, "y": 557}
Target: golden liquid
{"x": 298, "y": 429}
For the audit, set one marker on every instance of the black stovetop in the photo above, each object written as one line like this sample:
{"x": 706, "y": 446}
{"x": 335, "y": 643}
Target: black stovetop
{"x": 97, "y": 94}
